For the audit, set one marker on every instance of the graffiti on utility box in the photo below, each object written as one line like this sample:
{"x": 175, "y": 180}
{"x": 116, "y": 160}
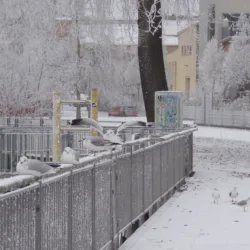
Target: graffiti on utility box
{"x": 167, "y": 109}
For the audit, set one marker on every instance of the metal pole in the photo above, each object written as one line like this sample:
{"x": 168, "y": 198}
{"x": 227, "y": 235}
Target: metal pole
{"x": 190, "y": 141}
{"x": 56, "y": 126}
{"x": 161, "y": 167}
{"x": 38, "y": 236}
{"x": 93, "y": 210}
{"x": 70, "y": 211}
{"x": 131, "y": 183}
{"x": 143, "y": 180}
{"x": 94, "y": 108}
{"x": 112, "y": 204}
{"x": 152, "y": 164}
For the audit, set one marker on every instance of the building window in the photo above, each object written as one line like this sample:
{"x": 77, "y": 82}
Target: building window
{"x": 211, "y": 22}
{"x": 186, "y": 50}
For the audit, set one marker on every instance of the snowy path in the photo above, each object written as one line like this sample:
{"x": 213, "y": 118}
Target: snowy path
{"x": 190, "y": 220}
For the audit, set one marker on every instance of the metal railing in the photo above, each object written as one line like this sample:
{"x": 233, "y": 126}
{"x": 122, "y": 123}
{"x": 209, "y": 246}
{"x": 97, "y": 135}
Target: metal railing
{"x": 96, "y": 206}
{"x": 35, "y": 143}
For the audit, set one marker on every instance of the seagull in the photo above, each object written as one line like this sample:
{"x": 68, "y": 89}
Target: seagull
{"x": 243, "y": 203}
{"x": 234, "y": 194}
{"x": 131, "y": 124}
{"x": 135, "y": 136}
{"x": 70, "y": 156}
{"x": 94, "y": 124}
{"x": 97, "y": 143}
{"x": 216, "y": 195}
{"x": 87, "y": 122}
{"x": 112, "y": 137}
{"x": 33, "y": 167}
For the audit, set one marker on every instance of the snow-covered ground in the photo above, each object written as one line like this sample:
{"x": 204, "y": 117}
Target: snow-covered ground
{"x": 190, "y": 220}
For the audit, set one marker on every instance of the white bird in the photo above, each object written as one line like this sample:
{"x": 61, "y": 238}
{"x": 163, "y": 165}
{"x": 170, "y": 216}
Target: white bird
{"x": 135, "y": 136}
{"x": 70, "y": 156}
{"x": 216, "y": 195}
{"x": 87, "y": 122}
{"x": 33, "y": 167}
{"x": 94, "y": 124}
{"x": 243, "y": 203}
{"x": 234, "y": 194}
{"x": 97, "y": 143}
{"x": 131, "y": 124}
{"x": 112, "y": 137}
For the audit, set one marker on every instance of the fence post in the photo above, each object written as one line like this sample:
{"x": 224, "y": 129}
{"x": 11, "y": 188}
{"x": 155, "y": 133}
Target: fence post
{"x": 16, "y": 123}
{"x": 48, "y": 147}
{"x": 112, "y": 204}
{"x": 70, "y": 211}
{"x": 2, "y": 167}
{"x": 143, "y": 180}
{"x": 190, "y": 141}
{"x": 131, "y": 183}
{"x": 161, "y": 170}
{"x": 93, "y": 209}
{"x": 152, "y": 164}
{"x": 41, "y": 122}
{"x": 38, "y": 238}
{"x": 56, "y": 126}
{"x": 174, "y": 161}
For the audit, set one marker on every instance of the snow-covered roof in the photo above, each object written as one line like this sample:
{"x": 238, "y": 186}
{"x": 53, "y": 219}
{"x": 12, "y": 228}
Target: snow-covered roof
{"x": 127, "y": 34}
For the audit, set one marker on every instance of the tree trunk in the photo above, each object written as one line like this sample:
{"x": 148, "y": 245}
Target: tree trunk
{"x": 151, "y": 63}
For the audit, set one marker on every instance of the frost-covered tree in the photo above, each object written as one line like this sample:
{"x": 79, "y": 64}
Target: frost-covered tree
{"x": 237, "y": 64}
{"x": 43, "y": 48}
{"x": 210, "y": 67}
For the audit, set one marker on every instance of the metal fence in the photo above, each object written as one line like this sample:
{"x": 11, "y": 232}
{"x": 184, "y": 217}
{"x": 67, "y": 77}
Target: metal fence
{"x": 207, "y": 114}
{"x": 36, "y": 143}
{"x": 96, "y": 206}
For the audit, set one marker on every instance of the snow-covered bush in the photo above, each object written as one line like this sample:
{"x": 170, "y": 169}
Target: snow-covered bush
{"x": 225, "y": 73}
{"x": 236, "y": 67}
{"x": 210, "y": 67}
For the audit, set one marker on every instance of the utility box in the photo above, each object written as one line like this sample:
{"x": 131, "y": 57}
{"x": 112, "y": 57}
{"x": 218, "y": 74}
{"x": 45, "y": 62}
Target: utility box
{"x": 169, "y": 110}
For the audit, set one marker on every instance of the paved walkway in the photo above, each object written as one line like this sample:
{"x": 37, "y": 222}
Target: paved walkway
{"x": 190, "y": 220}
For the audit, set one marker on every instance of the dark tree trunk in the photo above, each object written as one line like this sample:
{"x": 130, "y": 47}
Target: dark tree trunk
{"x": 151, "y": 64}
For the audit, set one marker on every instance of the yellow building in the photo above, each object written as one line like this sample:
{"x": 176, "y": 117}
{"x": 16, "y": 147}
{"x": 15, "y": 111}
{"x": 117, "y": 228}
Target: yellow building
{"x": 181, "y": 62}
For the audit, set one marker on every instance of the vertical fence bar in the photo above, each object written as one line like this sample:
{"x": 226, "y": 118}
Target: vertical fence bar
{"x": 190, "y": 142}
{"x": 112, "y": 205}
{"x": 152, "y": 164}
{"x": 161, "y": 167}
{"x": 70, "y": 212}
{"x": 143, "y": 180}
{"x": 93, "y": 209}
{"x": 48, "y": 147}
{"x": 130, "y": 183}
{"x": 38, "y": 243}
{"x": 56, "y": 126}
{"x": 2, "y": 167}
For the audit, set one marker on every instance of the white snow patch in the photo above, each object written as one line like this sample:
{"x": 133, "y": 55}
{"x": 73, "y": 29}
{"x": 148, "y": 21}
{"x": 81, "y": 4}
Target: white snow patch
{"x": 14, "y": 179}
{"x": 223, "y": 133}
